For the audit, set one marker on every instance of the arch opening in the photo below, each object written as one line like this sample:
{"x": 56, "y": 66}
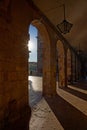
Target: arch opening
{"x": 36, "y": 80}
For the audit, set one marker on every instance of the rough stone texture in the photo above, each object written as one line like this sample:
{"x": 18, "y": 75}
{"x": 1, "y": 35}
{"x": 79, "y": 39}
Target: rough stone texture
{"x": 15, "y": 18}
{"x": 61, "y": 65}
{"x": 69, "y": 65}
{"x": 73, "y": 65}
{"x": 14, "y": 65}
{"x": 78, "y": 69}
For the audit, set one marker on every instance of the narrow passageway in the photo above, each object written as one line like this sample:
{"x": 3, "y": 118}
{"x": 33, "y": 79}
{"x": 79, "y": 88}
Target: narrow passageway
{"x": 65, "y": 111}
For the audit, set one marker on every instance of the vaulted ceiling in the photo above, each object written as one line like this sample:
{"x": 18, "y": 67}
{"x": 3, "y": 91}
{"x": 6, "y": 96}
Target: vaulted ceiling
{"x": 75, "y": 12}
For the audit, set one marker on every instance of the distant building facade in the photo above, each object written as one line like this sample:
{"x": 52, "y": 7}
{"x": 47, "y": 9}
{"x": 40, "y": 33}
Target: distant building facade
{"x": 32, "y": 68}
{"x": 39, "y": 54}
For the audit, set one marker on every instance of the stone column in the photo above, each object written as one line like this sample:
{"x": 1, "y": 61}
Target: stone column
{"x": 77, "y": 67}
{"x": 14, "y": 105}
{"x": 73, "y": 68}
{"x": 49, "y": 72}
{"x": 65, "y": 66}
{"x": 68, "y": 66}
{"x": 61, "y": 64}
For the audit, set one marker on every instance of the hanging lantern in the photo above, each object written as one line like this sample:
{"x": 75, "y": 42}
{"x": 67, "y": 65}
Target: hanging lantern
{"x": 64, "y": 27}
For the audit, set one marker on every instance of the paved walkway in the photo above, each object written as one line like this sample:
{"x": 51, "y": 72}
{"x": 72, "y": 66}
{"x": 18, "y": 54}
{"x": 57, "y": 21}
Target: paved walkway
{"x": 65, "y": 111}
{"x": 43, "y": 118}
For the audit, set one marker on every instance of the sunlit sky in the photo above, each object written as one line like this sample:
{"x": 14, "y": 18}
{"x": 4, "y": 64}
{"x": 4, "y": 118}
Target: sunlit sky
{"x": 33, "y": 44}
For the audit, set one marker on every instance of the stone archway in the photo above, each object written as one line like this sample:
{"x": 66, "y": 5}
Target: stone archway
{"x": 61, "y": 67}
{"x": 48, "y": 89}
{"x": 14, "y": 64}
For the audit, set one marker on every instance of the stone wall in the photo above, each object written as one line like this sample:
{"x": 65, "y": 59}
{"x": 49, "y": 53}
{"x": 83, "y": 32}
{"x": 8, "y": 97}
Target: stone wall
{"x": 14, "y": 63}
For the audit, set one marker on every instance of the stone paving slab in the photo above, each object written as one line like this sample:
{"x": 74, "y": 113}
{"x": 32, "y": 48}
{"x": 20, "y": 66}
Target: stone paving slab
{"x": 43, "y": 118}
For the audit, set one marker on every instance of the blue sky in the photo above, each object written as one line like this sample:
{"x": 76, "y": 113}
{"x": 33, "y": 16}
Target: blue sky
{"x": 33, "y": 44}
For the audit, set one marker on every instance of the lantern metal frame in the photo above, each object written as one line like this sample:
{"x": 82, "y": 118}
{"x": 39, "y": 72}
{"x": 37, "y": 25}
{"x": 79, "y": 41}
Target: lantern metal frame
{"x": 64, "y": 27}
